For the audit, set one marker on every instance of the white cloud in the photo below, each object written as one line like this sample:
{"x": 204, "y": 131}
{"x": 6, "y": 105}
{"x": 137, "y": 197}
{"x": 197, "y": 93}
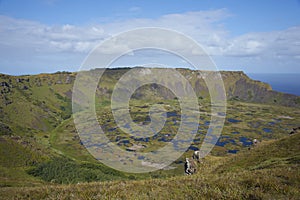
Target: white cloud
{"x": 18, "y": 33}
{"x": 275, "y": 44}
{"x": 69, "y": 38}
{"x": 134, "y": 9}
{"x": 246, "y": 45}
{"x": 26, "y": 40}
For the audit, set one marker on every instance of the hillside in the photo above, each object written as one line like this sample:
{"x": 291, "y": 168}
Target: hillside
{"x": 39, "y": 143}
{"x": 39, "y": 103}
{"x": 269, "y": 171}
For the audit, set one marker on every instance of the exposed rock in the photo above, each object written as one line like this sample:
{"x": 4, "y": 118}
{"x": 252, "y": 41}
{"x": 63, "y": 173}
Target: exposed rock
{"x": 5, "y": 87}
{"x": 135, "y": 147}
{"x": 6, "y": 100}
{"x": 25, "y": 87}
{"x": 4, "y": 84}
{"x": 21, "y": 80}
{"x": 69, "y": 79}
{"x": 295, "y": 130}
{"x": 4, "y": 129}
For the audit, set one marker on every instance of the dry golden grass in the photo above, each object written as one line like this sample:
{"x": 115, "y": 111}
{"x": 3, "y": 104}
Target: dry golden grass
{"x": 215, "y": 180}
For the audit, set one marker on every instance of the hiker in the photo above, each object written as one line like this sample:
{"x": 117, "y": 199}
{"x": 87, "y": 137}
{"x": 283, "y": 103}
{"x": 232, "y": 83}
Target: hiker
{"x": 196, "y": 156}
{"x": 187, "y": 167}
{"x": 255, "y": 142}
{"x": 190, "y": 167}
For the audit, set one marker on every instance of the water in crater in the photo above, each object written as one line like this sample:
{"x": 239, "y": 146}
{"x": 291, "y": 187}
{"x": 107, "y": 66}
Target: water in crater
{"x": 267, "y": 130}
{"x": 233, "y": 151}
{"x": 193, "y": 148}
{"x": 245, "y": 141}
{"x": 231, "y": 120}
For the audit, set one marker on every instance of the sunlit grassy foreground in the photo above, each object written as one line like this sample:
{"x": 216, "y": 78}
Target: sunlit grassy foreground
{"x": 268, "y": 171}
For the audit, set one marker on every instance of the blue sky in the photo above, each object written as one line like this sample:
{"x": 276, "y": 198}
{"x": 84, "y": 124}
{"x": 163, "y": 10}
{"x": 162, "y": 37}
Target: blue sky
{"x": 54, "y": 35}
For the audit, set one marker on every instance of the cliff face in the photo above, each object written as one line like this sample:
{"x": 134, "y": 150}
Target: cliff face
{"x": 53, "y": 92}
{"x": 239, "y": 86}
{"x": 39, "y": 103}
{"x": 49, "y": 95}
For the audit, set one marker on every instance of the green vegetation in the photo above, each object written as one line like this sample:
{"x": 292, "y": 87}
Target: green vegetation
{"x": 214, "y": 180}
{"x": 66, "y": 171}
{"x": 42, "y": 155}
{"x": 16, "y": 156}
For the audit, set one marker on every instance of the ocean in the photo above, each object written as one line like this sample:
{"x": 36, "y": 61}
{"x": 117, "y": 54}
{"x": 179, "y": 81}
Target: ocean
{"x": 287, "y": 83}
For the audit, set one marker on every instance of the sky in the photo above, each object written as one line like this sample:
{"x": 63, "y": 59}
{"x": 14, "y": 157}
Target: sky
{"x": 44, "y": 36}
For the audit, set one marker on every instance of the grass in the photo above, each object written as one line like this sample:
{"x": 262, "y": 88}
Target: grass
{"x": 63, "y": 140}
{"x": 17, "y": 156}
{"x": 269, "y": 154}
{"x": 213, "y": 181}
{"x": 65, "y": 171}
{"x": 43, "y": 145}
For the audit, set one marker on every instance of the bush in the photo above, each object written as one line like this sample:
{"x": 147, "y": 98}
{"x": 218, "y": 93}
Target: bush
{"x": 65, "y": 171}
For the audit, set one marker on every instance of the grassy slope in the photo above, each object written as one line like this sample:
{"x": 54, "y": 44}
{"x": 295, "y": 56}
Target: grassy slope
{"x": 16, "y": 156}
{"x": 62, "y": 139}
{"x": 246, "y": 176}
{"x": 39, "y": 114}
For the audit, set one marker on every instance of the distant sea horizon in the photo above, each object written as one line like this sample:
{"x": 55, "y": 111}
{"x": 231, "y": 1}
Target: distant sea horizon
{"x": 286, "y": 83}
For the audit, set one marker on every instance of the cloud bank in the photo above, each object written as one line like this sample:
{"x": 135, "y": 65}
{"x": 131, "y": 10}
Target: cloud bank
{"x": 34, "y": 45}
